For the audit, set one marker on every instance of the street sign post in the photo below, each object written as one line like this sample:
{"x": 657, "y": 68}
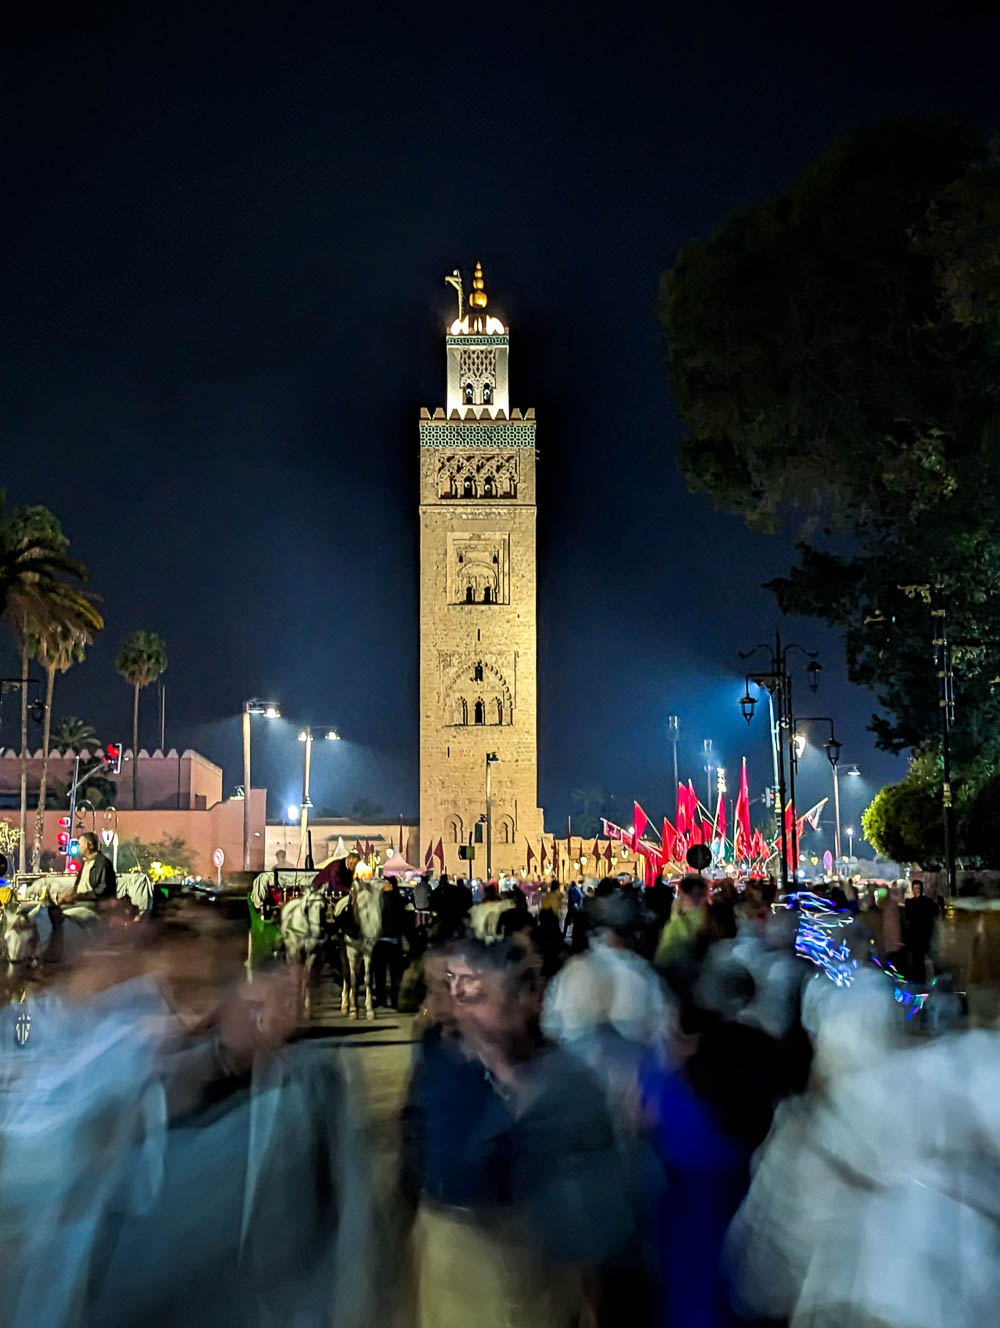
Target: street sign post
{"x": 218, "y": 858}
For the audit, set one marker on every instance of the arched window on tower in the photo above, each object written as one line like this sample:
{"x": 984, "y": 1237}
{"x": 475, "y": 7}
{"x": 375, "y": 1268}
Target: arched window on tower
{"x": 468, "y": 487}
{"x": 487, "y": 394}
{"x": 470, "y": 594}
{"x": 462, "y": 711}
{"x": 487, "y": 595}
{"x": 498, "y": 703}
{"x": 477, "y": 673}
{"x": 480, "y": 713}
{"x": 488, "y": 487}
{"x": 470, "y": 394}
{"x": 454, "y": 830}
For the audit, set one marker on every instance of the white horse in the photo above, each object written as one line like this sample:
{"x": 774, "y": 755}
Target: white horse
{"x": 485, "y": 919}
{"x": 303, "y": 933}
{"x": 363, "y": 908}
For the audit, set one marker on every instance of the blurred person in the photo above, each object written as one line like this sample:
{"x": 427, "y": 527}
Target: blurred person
{"x": 389, "y": 955}
{"x": 574, "y": 902}
{"x": 684, "y": 941}
{"x": 512, "y": 1163}
{"x": 921, "y": 915}
{"x": 607, "y": 1005}
{"x": 549, "y": 942}
{"x": 146, "y": 1137}
{"x": 891, "y": 929}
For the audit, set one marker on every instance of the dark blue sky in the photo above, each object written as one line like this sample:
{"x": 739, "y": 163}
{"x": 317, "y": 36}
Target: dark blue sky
{"x": 227, "y": 228}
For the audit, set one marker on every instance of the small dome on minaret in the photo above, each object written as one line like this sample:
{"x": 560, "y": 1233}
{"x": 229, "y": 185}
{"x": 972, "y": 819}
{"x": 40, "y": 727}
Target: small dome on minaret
{"x": 478, "y": 298}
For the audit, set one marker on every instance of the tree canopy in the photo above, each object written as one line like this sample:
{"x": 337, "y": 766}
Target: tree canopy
{"x": 834, "y": 352}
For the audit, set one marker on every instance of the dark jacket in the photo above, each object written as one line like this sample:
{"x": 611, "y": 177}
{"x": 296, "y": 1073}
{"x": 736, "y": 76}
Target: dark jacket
{"x": 102, "y": 878}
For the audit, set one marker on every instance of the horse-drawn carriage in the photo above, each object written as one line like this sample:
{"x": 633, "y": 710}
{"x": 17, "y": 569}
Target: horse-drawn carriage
{"x": 312, "y": 915}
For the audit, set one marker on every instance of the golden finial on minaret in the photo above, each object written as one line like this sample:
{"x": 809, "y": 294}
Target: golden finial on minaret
{"x": 477, "y": 297}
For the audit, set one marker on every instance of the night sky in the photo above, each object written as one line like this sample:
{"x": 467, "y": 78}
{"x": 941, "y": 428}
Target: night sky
{"x": 227, "y": 228}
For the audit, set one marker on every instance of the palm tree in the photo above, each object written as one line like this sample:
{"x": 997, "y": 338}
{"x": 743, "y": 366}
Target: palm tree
{"x": 74, "y": 735}
{"x": 57, "y": 649}
{"x": 33, "y": 554}
{"x": 36, "y": 597}
{"x": 140, "y": 661}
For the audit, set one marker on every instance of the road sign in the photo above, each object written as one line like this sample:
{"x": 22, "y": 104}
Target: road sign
{"x": 218, "y": 858}
{"x": 827, "y": 861}
{"x": 108, "y": 836}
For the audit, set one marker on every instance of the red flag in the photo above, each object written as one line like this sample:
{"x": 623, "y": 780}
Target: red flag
{"x": 792, "y": 832}
{"x": 758, "y": 847}
{"x": 358, "y": 849}
{"x": 545, "y": 856}
{"x": 669, "y": 840}
{"x": 607, "y": 851}
{"x": 682, "y": 814}
{"x": 368, "y": 850}
{"x": 639, "y": 820}
{"x": 720, "y": 818}
{"x": 741, "y": 847}
{"x": 532, "y": 856}
{"x": 429, "y": 855}
{"x": 596, "y": 855}
{"x": 439, "y": 853}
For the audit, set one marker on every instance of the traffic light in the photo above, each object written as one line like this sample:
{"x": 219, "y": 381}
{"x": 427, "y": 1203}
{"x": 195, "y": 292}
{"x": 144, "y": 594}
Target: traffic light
{"x": 73, "y": 848}
{"x": 64, "y": 834}
{"x": 73, "y": 865}
{"x": 113, "y": 756}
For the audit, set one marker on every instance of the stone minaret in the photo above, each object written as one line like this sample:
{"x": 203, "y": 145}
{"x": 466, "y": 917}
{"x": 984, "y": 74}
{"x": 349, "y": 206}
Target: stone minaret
{"x": 478, "y": 619}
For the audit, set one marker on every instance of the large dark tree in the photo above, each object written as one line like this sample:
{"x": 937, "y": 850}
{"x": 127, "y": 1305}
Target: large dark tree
{"x": 834, "y": 352}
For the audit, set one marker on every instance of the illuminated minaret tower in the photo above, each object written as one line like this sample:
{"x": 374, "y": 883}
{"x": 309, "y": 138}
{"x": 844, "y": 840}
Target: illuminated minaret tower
{"x": 478, "y": 620}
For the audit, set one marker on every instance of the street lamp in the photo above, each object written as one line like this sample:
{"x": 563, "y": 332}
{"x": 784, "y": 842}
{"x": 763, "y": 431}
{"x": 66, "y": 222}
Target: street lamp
{"x": 776, "y": 681}
{"x": 673, "y": 736}
{"x": 832, "y": 748}
{"x": 306, "y": 738}
{"x": 491, "y": 760}
{"x": 850, "y": 839}
{"x": 270, "y": 710}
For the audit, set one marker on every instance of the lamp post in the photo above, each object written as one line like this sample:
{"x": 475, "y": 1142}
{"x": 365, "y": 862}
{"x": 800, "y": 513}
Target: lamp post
{"x": 706, "y": 747}
{"x": 491, "y": 760}
{"x": 833, "y": 749}
{"x": 850, "y": 840}
{"x": 673, "y": 736}
{"x": 777, "y": 682}
{"x": 306, "y": 738}
{"x": 270, "y": 710}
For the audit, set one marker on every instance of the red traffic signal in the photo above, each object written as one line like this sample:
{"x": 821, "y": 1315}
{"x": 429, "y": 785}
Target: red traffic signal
{"x": 113, "y": 756}
{"x": 64, "y": 841}
{"x": 63, "y": 825}
{"x": 73, "y": 865}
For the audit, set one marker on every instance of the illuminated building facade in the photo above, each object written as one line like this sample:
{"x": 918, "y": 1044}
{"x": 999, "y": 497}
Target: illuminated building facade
{"x": 478, "y": 620}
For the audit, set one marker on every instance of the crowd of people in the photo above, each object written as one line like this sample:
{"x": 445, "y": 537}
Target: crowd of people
{"x": 627, "y": 1105}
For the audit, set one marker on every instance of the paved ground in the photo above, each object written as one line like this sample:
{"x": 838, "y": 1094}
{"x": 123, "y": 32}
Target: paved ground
{"x": 381, "y": 1052}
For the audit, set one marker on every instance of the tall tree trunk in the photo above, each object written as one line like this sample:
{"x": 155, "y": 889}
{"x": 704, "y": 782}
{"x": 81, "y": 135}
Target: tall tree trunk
{"x": 135, "y": 748}
{"x": 36, "y": 847}
{"x": 22, "y": 848}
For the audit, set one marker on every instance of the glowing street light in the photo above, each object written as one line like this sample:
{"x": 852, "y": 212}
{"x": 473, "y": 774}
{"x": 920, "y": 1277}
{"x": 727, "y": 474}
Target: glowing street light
{"x": 330, "y": 734}
{"x": 270, "y": 710}
{"x": 292, "y": 811}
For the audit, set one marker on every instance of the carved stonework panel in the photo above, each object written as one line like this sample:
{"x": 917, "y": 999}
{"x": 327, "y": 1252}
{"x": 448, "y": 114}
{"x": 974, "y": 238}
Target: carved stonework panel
{"x": 478, "y": 568}
{"x": 477, "y": 365}
{"x": 474, "y": 691}
{"x": 477, "y": 475}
